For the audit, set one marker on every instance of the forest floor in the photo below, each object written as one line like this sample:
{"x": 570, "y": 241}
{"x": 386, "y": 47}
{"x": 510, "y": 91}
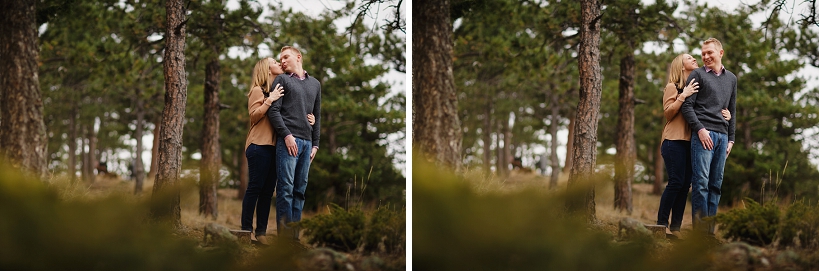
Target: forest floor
{"x": 645, "y": 203}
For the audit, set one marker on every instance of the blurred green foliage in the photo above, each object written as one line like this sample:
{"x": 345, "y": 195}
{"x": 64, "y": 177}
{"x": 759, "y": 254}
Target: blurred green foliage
{"x": 340, "y": 229}
{"x": 763, "y": 224}
{"x": 756, "y": 224}
{"x": 455, "y": 228}
{"x": 800, "y": 225}
{"x": 39, "y": 230}
{"x": 350, "y": 229}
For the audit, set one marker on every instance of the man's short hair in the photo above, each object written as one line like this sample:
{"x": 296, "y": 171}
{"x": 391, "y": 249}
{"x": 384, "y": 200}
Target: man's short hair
{"x": 715, "y": 41}
{"x": 291, "y": 48}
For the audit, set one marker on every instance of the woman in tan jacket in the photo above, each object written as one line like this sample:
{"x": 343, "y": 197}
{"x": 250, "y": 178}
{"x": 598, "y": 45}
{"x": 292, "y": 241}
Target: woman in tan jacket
{"x": 676, "y": 146}
{"x": 260, "y": 149}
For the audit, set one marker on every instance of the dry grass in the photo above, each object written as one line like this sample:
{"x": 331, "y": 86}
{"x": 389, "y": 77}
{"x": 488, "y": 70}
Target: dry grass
{"x": 228, "y": 204}
{"x": 645, "y": 203}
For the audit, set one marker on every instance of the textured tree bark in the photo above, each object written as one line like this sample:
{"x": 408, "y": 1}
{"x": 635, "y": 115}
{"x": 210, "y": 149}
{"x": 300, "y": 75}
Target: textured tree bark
{"x": 588, "y": 109}
{"x": 436, "y": 128}
{"x": 553, "y": 146}
{"x": 165, "y": 206}
{"x": 658, "y": 170}
{"x": 211, "y": 160}
{"x": 22, "y": 131}
{"x": 155, "y": 149}
{"x": 567, "y": 168}
{"x": 139, "y": 168}
{"x": 626, "y": 151}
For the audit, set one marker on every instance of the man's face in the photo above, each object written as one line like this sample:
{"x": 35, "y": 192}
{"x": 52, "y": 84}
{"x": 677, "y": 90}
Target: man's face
{"x": 289, "y": 60}
{"x": 275, "y": 68}
{"x": 711, "y": 56}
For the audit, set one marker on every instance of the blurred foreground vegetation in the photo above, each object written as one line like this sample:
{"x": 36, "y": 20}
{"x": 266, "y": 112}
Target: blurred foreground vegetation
{"x": 458, "y": 228}
{"x": 59, "y": 225}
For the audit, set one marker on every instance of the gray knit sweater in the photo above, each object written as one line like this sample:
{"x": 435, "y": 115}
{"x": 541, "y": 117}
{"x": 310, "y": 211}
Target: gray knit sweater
{"x": 703, "y": 109}
{"x": 288, "y": 115}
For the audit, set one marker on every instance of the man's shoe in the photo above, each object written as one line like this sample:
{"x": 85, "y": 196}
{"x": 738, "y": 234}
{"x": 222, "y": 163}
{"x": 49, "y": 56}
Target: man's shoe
{"x": 260, "y": 241}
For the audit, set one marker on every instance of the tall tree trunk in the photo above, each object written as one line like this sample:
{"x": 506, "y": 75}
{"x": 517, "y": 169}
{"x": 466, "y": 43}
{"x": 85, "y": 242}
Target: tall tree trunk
{"x": 72, "y": 143}
{"x": 486, "y": 136}
{"x": 155, "y": 149}
{"x": 211, "y": 160}
{"x": 139, "y": 168}
{"x": 436, "y": 128}
{"x": 553, "y": 146}
{"x": 22, "y": 131}
{"x": 507, "y": 146}
{"x": 499, "y": 160}
{"x": 658, "y": 169}
{"x": 92, "y": 153}
{"x": 567, "y": 168}
{"x": 165, "y": 195}
{"x": 243, "y": 174}
{"x": 86, "y": 171}
{"x": 588, "y": 109}
{"x": 626, "y": 151}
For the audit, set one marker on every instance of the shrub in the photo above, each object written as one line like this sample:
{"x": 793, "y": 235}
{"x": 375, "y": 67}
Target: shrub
{"x": 386, "y": 230}
{"x": 340, "y": 229}
{"x": 800, "y": 226}
{"x": 350, "y": 229}
{"x": 757, "y": 224}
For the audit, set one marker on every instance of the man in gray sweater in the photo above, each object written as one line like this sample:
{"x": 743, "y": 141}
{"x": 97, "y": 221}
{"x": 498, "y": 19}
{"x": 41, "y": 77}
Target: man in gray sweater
{"x": 297, "y": 141}
{"x": 712, "y": 137}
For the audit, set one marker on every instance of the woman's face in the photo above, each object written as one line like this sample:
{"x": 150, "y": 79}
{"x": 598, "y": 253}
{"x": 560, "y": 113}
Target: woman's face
{"x": 275, "y": 68}
{"x": 689, "y": 63}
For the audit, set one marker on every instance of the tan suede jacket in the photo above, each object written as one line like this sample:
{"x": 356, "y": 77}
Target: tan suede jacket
{"x": 675, "y": 126}
{"x": 260, "y": 132}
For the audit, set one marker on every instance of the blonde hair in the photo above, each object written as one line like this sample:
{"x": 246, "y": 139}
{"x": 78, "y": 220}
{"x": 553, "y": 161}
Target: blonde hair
{"x": 676, "y": 71}
{"x": 291, "y": 48}
{"x": 261, "y": 76}
{"x": 716, "y": 43}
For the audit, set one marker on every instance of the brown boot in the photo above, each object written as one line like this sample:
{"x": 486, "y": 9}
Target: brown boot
{"x": 261, "y": 240}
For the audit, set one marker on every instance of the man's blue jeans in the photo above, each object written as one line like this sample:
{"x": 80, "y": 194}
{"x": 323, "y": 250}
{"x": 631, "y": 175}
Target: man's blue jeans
{"x": 292, "y": 182}
{"x": 677, "y": 157}
{"x": 708, "y": 167}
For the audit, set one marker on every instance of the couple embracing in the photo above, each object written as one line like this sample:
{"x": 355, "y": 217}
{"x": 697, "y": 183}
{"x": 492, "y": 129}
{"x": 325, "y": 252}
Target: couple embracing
{"x": 697, "y": 137}
{"x": 284, "y": 104}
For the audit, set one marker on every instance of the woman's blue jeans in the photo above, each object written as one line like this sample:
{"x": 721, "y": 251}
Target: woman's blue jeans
{"x": 261, "y": 165}
{"x": 677, "y": 157}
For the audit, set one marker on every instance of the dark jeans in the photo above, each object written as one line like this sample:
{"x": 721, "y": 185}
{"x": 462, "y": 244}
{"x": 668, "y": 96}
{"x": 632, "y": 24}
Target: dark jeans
{"x": 292, "y": 182}
{"x": 261, "y": 164}
{"x": 677, "y": 157}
